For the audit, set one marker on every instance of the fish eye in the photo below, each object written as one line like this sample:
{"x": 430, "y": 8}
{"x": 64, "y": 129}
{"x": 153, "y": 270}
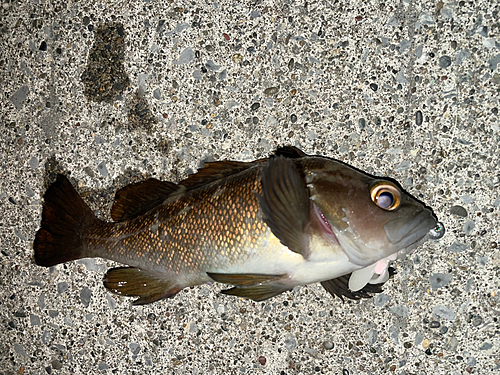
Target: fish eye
{"x": 385, "y": 195}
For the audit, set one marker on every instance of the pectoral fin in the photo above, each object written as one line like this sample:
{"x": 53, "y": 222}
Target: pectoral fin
{"x": 134, "y": 282}
{"x": 285, "y": 204}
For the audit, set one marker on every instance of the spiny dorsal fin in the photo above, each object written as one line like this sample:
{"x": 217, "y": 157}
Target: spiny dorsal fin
{"x": 285, "y": 204}
{"x": 134, "y": 282}
{"x": 137, "y": 199}
{"x": 340, "y": 287}
{"x": 215, "y": 171}
{"x": 290, "y": 152}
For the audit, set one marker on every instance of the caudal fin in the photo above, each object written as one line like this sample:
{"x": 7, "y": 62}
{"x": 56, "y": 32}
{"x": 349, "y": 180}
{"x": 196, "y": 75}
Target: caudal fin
{"x": 65, "y": 218}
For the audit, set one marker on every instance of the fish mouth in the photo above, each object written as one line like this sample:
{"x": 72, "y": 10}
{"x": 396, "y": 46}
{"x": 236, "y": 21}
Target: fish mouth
{"x": 405, "y": 234}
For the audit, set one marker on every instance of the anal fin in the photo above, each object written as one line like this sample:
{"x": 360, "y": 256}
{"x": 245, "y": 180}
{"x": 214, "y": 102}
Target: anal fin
{"x": 258, "y": 293}
{"x": 258, "y": 287}
{"x": 134, "y": 282}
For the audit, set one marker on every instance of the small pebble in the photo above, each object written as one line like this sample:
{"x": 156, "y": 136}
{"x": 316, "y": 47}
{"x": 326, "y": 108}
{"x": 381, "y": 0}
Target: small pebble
{"x": 328, "y": 345}
{"x": 255, "y": 106}
{"x": 435, "y": 324}
{"x": 444, "y": 61}
{"x": 439, "y": 280}
{"x": 419, "y": 118}
{"x": 458, "y": 210}
{"x": 262, "y": 360}
{"x": 43, "y": 46}
{"x": 374, "y": 86}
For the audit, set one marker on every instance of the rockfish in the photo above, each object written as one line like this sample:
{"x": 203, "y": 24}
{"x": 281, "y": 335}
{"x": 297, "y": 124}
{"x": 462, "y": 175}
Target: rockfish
{"x": 264, "y": 226}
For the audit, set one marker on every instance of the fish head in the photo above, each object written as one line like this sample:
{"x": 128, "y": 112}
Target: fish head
{"x": 371, "y": 218}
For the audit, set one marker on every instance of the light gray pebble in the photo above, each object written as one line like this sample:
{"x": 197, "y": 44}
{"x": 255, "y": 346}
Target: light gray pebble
{"x": 19, "y": 234}
{"x": 477, "y": 321}
{"x": 444, "y": 61}
{"x": 223, "y": 75}
{"x": 403, "y": 166}
{"x": 68, "y": 321}
{"x": 34, "y": 162}
{"x": 419, "y": 337}
{"x": 46, "y": 337}
{"x": 426, "y": 19}
{"x": 19, "y": 350}
{"x": 458, "y": 210}
{"x": 20, "y": 96}
{"x": 111, "y": 302}
{"x": 439, "y": 280}
{"x": 471, "y": 362}
{"x": 148, "y": 361}
{"x": 418, "y": 51}
{"x": 134, "y": 348}
{"x": 328, "y": 345}
{"x": 444, "y": 312}
{"x": 482, "y": 261}
{"x": 185, "y": 57}
{"x": 462, "y": 56}
{"x": 89, "y": 264}
{"x": 394, "y": 334}
{"x": 102, "y": 169}
{"x": 486, "y": 346}
{"x": 457, "y": 247}
{"x": 179, "y": 28}
{"x": 401, "y": 78}
{"x": 381, "y": 299}
{"x": 400, "y": 310}
{"x": 89, "y": 317}
{"x": 290, "y": 342}
{"x": 29, "y": 192}
{"x": 41, "y": 299}
{"x": 210, "y": 65}
{"x": 469, "y": 226}
{"x": 372, "y": 336}
{"x": 62, "y": 287}
{"x": 493, "y": 62}
{"x": 85, "y": 296}
{"x": 197, "y": 75}
{"x": 470, "y": 284}
{"x": 452, "y": 344}
{"x": 34, "y": 320}
{"x": 98, "y": 140}
{"x": 467, "y": 199}
{"x": 53, "y": 313}
{"x": 157, "y": 93}
{"x": 103, "y": 366}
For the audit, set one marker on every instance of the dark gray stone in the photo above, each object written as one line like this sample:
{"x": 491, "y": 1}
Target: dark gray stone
{"x": 85, "y": 296}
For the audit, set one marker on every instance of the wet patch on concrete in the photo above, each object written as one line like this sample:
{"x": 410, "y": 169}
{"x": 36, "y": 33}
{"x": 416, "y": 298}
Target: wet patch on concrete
{"x": 140, "y": 115}
{"x": 105, "y": 77}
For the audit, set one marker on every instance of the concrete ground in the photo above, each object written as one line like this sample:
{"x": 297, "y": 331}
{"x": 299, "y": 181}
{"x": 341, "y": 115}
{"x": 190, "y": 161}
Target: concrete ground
{"x": 112, "y": 92}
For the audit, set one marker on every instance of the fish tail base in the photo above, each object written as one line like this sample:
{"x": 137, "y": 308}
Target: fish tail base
{"x": 65, "y": 219}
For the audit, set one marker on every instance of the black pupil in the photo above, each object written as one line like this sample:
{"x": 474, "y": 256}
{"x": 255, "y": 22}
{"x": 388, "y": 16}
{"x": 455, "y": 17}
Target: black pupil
{"x": 385, "y": 199}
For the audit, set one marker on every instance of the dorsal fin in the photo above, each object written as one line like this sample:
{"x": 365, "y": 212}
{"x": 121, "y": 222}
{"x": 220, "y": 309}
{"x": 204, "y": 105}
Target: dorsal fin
{"x": 290, "y": 152}
{"x": 137, "y": 199}
{"x": 215, "y": 171}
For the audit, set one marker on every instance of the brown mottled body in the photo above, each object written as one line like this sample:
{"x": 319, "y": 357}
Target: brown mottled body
{"x": 189, "y": 234}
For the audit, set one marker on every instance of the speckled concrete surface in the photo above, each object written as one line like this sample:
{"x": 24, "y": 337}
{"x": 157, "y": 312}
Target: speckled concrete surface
{"x": 115, "y": 91}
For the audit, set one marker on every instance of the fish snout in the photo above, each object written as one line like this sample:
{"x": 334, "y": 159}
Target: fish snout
{"x": 405, "y": 231}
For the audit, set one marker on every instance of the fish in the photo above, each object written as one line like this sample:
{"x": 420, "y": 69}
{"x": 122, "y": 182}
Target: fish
{"x": 263, "y": 227}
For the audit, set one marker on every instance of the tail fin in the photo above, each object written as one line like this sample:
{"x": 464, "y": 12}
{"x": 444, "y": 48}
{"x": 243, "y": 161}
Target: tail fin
{"x": 65, "y": 218}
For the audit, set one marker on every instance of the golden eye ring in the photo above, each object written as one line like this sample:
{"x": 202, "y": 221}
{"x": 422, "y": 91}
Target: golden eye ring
{"x": 385, "y": 195}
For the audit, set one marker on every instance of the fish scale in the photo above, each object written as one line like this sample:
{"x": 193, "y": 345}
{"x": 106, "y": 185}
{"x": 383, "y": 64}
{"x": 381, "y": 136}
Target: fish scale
{"x": 263, "y": 227}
